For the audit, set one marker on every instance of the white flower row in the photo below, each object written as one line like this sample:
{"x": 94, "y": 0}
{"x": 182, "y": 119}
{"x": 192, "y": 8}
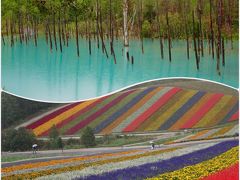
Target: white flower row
{"x": 125, "y": 164}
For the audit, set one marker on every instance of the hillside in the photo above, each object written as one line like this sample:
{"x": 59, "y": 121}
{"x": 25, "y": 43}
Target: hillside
{"x": 146, "y": 109}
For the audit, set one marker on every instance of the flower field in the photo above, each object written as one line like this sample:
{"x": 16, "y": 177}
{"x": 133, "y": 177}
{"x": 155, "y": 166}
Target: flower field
{"x": 195, "y": 161}
{"x": 142, "y": 110}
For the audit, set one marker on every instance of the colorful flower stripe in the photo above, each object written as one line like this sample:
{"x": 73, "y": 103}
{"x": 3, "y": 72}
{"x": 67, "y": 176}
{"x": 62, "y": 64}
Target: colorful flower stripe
{"x": 209, "y": 133}
{"x": 124, "y": 116}
{"x": 221, "y": 132}
{"x": 234, "y": 117}
{"x": 202, "y": 111}
{"x": 134, "y": 124}
{"x": 74, "y": 116}
{"x": 208, "y": 117}
{"x": 198, "y": 135}
{"x": 85, "y": 115}
{"x": 72, "y": 163}
{"x": 229, "y": 173}
{"x": 117, "y": 114}
{"x": 229, "y": 115}
{"x": 224, "y": 111}
{"x": 190, "y": 113}
{"x": 161, "y": 119}
{"x": 181, "y": 111}
{"x": 233, "y": 131}
{"x": 205, "y": 168}
{"x": 86, "y": 121}
{"x": 140, "y": 110}
{"x": 33, "y": 175}
{"x": 47, "y": 125}
{"x": 114, "y": 109}
{"x": 172, "y": 164}
{"x": 147, "y": 124}
{"x": 97, "y": 170}
{"x": 50, "y": 116}
{"x": 143, "y": 109}
{"x": 63, "y": 161}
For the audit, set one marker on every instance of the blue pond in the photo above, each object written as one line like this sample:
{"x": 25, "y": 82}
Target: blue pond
{"x": 37, "y": 73}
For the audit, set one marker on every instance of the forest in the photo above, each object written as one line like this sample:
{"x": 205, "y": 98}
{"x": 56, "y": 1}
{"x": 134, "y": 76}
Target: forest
{"x": 103, "y": 21}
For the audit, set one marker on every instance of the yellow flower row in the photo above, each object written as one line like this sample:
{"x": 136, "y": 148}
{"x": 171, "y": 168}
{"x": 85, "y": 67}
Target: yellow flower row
{"x": 47, "y": 125}
{"x": 170, "y": 111}
{"x": 62, "y": 161}
{"x": 203, "y": 169}
{"x": 210, "y": 115}
{"x": 33, "y": 175}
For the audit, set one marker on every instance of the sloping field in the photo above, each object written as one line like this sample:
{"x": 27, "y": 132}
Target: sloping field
{"x": 148, "y": 109}
{"x": 195, "y": 161}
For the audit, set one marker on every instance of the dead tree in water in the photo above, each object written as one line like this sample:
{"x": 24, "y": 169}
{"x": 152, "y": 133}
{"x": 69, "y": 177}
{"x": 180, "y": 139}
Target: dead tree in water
{"x": 223, "y": 52}
{"x": 111, "y": 33}
{"x": 97, "y": 22}
{"x": 50, "y": 36}
{"x": 211, "y": 29}
{"x": 186, "y": 28}
{"x": 169, "y": 38}
{"x": 76, "y": 26}
{"x": 140, "y": 19}
{"x": 54, "y": 31}
{"x": 59, "y": 31}
{"x": 194, "y": 41}
{"x": 159, "y": 30}
{"x": 219, "y": 26}
{"x": 125, "y": 23}
{"x": 200, "y": 12}
{"x": 3, "y": 39}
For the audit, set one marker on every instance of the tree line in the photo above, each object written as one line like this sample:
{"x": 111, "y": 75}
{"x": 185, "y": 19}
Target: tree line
{"x": 104, "y": 21}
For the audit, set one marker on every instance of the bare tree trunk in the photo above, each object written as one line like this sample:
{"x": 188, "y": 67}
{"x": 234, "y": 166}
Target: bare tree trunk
{"x": 19, "y": 27}
{"x": 3, "y": 39}
{"x": 46, "y": 33}
{"x": 35, "y": 32}
{"x": 219, "y": 19}
{"x": 11, "y": 29}
{"x": 125, "y": 23}
{"x": 200, "y": 26}
{"x": 97, "y": 22}
{"x": 54, "y": 31}
{"x": 76, "y": 25}
{"x": 169, "y": 38}
{"x": 195, "y": 43}
{"x": 223, "y": 52}
{"x": 211, "y": 28}
{"x": 89, "y": 38}
{"x": 159, "y": 30}
{"x": 50, "y": 36}
{"x": 59, "y": 31}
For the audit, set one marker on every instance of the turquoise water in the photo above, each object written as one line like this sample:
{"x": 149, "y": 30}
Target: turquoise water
{"x": 35, "y": 72}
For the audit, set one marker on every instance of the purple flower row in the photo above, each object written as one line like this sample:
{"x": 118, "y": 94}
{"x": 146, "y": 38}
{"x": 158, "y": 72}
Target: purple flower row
{"x": 175, "y": 163}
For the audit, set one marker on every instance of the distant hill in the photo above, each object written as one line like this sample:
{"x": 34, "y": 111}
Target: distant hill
{"x": 16, "y": 110}
{"x": 145, "y": 109}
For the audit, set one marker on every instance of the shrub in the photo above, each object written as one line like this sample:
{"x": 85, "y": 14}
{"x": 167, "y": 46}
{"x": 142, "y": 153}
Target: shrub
{"x": 88, "y": 138}
{"x": 17, "y": 140}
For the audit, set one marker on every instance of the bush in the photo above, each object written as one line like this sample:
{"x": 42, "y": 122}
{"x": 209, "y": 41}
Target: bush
{"x": 17, "y": 140}
{"x": 54, "y": 138}
{"x": 88, "y": 138}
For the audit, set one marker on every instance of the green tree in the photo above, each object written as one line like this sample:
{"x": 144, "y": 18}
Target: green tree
{"x": 88, "y": 138}
{"x": 54, "y": 136}
{"x": 17, "y": 140}
{"x": 60, "y": 143}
